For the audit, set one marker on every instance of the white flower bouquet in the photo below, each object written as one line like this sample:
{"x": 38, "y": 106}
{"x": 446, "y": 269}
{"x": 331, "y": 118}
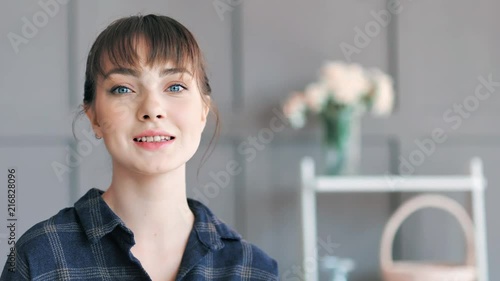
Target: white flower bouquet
{"x": 343, "y": 92}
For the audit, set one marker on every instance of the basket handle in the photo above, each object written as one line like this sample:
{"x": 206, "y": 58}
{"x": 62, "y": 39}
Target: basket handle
{"x": 420, "y": 202}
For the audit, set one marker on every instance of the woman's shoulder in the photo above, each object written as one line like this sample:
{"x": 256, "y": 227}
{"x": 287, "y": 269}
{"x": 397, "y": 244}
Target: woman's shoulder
{"x": 243, "y": 258}
{"x": 34, "y": 244}
{"x": 251, "y": 258}
{"x": 230, "y": 251}
{"x": 66, "y": 226}
{"x": 39, "y": 234}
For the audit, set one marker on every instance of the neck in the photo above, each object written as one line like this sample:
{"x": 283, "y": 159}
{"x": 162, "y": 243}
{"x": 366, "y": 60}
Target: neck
{"x": 152, "y": 206}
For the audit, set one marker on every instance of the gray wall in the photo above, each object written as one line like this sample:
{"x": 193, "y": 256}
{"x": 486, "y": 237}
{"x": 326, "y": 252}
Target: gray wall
{"x": 257, "y": 52}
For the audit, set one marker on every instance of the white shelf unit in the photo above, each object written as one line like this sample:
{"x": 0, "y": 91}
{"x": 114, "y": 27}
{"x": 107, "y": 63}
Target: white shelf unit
{"x": 313, "y": 184}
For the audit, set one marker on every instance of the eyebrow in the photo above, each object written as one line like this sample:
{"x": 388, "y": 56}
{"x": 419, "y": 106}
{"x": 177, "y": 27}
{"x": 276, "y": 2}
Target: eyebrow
{"x": 135, "y": 73}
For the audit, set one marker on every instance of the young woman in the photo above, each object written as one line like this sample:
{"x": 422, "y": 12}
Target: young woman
{"x": 147, "y": 96}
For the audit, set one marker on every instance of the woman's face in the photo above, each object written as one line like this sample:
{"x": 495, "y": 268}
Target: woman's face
{"x": 132, "y": 100}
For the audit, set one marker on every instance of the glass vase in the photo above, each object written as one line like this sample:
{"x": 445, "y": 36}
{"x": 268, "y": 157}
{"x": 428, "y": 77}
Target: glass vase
{"x": 341, "y": 142}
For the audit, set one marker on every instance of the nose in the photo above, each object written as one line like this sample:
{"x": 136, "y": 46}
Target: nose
{"x": 151, "y": 108}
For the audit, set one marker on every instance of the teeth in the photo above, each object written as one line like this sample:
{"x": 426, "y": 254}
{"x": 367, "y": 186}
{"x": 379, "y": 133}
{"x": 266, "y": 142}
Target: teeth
{"x": 154, "y": 139}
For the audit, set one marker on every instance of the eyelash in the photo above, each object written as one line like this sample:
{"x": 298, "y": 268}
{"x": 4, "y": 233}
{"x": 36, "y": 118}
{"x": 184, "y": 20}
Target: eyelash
{"x": 113, "y": 90}
{"x": 177, "y": 84}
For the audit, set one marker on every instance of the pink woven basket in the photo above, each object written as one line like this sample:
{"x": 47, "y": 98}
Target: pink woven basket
{"x": 413, "y": 271}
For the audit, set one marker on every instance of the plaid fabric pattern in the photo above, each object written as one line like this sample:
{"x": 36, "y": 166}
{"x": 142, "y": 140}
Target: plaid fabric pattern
{"x": 90, "y": 242}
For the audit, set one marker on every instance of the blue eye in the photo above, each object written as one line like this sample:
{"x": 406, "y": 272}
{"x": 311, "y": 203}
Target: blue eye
{"x": 121, "y": 90}
{"x": 176, "y": 88}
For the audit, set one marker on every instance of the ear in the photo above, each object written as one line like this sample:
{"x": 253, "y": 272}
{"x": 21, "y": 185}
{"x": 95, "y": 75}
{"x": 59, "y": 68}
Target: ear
{"x": 206, "y": 108}
{"x": 93, "y": 121}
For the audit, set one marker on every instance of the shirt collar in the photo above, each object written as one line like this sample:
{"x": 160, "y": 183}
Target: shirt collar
{"x": 96, "y": 217}
{"x": 98, "y": 220}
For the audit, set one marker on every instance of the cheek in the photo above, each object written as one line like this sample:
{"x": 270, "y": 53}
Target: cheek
{"x": 187, "y": 118}
{"x": 112, "y": 115}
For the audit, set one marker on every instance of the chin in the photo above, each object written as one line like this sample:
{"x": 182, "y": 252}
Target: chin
{"x": 155, "y": 169}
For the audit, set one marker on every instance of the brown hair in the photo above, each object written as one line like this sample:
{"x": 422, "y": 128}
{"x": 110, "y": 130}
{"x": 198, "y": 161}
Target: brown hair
{"x": 167, "y": 41}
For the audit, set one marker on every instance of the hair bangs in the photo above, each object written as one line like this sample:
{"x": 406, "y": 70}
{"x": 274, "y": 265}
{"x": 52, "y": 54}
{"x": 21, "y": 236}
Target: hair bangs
{"x": 163, "y": 41}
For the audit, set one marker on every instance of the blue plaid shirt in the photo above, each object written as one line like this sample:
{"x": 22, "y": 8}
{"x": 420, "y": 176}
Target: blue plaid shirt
{"x": 90, "y": 242}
